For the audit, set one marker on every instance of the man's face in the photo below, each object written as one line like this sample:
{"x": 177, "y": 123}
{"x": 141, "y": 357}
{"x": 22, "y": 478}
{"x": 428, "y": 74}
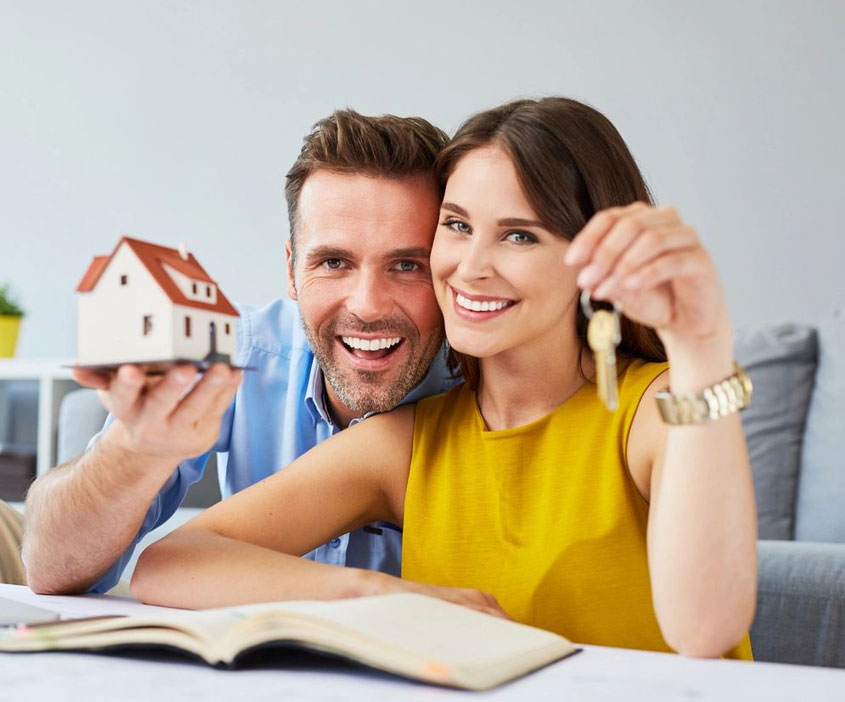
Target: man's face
{"x": 363, "y": 283}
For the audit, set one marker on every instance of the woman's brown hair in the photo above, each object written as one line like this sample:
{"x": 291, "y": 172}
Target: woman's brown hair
{"x": 571, "y": 163}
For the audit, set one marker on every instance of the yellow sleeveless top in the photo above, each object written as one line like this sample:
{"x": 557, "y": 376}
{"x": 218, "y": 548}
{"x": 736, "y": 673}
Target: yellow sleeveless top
{"x": 545, "y": 516}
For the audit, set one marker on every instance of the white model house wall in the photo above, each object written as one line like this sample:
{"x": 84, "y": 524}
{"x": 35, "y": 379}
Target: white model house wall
{"x": 197, "y": 345}
{"x": 198, "y": 290}
{"x": 111, "y": 325}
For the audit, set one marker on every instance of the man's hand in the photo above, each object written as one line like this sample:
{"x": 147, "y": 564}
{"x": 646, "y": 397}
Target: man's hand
{"x": 82, "y": 515}
{"x": 173, "y": 416}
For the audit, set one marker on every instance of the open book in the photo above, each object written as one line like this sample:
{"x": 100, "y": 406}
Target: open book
{"x": 407, "y": 634}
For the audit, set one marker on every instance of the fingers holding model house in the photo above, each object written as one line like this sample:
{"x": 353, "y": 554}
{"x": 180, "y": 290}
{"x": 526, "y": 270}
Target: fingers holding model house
{"x": 173, "y": 416}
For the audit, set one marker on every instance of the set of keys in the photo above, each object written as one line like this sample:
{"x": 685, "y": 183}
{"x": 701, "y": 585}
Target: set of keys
{"x": 603, "y": 336}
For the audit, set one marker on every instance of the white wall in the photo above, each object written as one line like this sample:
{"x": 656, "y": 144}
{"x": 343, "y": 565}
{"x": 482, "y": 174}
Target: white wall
{"x": 176, "y": 120}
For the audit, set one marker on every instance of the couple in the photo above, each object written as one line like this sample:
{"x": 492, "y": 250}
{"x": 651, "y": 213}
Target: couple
{"x": 518, "y": 493}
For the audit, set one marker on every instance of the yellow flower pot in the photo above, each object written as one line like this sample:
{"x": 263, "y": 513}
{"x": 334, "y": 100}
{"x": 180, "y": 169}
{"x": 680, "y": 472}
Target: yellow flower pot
{"x": 9, "y": 328}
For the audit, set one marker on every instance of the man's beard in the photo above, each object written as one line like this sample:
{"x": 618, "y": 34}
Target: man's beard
{"x": 369, "y": 391}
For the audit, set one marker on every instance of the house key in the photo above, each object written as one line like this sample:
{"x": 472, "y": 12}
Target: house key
{"x": 603, "y": 336}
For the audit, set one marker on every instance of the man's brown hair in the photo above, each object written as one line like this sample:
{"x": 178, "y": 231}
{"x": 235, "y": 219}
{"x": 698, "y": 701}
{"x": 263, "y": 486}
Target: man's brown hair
{"x": 571, "y": 163}
{"x": 349, "y": 142}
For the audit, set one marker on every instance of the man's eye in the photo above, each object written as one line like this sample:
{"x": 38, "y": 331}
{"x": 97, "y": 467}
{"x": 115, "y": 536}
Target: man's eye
{"x": 457, "y": 225}
{"x": 407, "y": 266}
{"x": 332, "y": 263}
{"x": 521, "y": 238}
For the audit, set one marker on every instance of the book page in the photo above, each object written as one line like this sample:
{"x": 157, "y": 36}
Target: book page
{"x": 417, "y": 624}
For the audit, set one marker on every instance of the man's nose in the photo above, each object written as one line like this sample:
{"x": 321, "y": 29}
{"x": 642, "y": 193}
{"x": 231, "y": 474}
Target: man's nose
{"x": 370, "y": 299}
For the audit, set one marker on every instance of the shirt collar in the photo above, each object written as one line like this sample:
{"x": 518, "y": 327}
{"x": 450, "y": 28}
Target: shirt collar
{"x": 315, "y": 394}
{"x": 436, "y": 380}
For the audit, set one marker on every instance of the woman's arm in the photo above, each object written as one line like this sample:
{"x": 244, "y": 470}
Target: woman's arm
{"x": 247, "y": 547}
{"x": 702, "y": 528}
{"x": 702, "y": 531}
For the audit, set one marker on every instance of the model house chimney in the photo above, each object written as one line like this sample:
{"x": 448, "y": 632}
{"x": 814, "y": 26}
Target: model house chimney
{"x": 183, "y": 250}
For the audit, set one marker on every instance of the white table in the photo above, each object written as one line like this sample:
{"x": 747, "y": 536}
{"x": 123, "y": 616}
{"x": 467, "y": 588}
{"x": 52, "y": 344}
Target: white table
{"x": 54, "y": 382}
{"x": 597, "y": 673}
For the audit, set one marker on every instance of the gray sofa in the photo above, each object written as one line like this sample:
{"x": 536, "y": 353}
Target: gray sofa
{"x": 795, "y": 429}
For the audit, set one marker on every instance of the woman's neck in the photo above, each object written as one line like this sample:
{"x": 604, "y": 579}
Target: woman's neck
{"x": 522, "y": 385}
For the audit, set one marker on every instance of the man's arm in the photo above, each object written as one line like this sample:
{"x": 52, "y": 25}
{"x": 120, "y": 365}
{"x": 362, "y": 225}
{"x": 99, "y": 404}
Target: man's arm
{"x": 82, "y": 515}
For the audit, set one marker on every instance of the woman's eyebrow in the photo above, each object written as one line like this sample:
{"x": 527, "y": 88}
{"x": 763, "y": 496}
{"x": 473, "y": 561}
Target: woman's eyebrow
{"x": 457, "y": 209}
{"x": 505, "y": 222}
{"x": 519, "y": 222}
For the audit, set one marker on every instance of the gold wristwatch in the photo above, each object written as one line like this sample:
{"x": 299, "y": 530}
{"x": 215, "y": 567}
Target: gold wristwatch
{"x": 725, "y": 397}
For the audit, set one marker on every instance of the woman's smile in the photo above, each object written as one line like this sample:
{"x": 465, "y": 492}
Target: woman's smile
{"x": 479, "y": 308}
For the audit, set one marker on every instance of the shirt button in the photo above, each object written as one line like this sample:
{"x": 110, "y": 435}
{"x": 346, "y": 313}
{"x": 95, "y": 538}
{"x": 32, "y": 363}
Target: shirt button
{"x": 334, "y": 543}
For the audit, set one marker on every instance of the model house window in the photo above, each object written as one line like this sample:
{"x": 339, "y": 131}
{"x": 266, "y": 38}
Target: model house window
{"x": 194, "y": 288}
{"x": 227, "y": 327}
{"x": 187, "y": 326}
{"x": 148, "y": 323}
{"x": 124, "y": 279}
{"x": 208, "y": 291}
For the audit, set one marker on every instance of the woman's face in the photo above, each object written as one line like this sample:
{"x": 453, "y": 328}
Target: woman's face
{"x": 498, "y": 273}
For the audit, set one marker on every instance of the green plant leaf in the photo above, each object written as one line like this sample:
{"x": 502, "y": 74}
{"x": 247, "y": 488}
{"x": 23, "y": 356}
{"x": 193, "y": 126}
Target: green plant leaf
{"x": 8, "y": 304}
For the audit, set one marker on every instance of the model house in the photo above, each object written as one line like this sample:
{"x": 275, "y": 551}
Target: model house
{"x": 147, "y": 304}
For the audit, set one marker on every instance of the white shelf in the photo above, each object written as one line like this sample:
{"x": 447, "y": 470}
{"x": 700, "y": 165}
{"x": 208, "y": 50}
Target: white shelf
{"x": 34, "y": 369}
{"x": 54, "y": 382}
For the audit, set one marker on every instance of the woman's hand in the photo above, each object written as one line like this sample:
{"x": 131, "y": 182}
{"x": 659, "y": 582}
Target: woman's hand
{"x": 466, "y": 597}
{"x": 652, "y": 263}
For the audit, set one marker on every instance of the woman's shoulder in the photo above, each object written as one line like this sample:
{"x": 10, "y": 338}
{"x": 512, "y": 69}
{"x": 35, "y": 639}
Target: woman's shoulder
{"x": 637, "y": 376}
{"x": 646, "y": 433}
{"x": 446, "y": 410}
{"x": 436, "y": 403}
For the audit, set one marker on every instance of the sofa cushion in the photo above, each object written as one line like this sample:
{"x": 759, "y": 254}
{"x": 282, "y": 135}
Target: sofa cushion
{"x": 820, "y": 515}
{"x": 781, "y": 361}
{"x": 81, "y": 416}
{"x": 800, "y": 603}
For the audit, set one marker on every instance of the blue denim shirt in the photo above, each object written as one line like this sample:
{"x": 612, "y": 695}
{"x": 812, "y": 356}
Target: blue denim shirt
{"x": 278, "y": 413}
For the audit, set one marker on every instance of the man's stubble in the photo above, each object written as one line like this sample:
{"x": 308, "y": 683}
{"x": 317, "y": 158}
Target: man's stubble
{"x": 368, "y": 391}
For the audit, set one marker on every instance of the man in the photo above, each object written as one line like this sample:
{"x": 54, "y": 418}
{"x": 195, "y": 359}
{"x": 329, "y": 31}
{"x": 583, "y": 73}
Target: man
{"x": 363, "y": 206}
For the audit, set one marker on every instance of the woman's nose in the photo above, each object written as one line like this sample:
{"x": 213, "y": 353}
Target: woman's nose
{"x": 476, "y": 261}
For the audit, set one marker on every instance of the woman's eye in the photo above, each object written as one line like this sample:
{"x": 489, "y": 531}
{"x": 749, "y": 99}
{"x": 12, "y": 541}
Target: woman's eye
{"x": 407, "y": 266}
{"x": 333, "y": 263}
{"x": 522, "y": 238}
{"x": 457, "y": 225}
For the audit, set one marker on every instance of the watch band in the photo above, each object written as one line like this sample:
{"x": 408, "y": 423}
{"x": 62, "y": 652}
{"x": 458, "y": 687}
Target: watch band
{"x": 719, "y": 400}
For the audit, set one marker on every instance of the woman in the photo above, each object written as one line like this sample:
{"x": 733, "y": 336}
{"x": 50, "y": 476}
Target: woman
{"x": 519, "y": 493}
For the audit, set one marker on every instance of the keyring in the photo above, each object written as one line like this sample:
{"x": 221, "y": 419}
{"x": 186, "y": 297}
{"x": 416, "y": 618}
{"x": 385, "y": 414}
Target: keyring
{"x": 587, "y": 307}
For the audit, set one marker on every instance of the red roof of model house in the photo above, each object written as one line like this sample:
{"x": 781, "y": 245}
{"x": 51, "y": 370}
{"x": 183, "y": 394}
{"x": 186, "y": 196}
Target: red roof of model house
{"x": 154, "y": 257}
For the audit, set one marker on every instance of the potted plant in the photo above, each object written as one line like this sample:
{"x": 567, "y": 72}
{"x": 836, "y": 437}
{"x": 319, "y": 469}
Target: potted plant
{"x": 10, "y": 322}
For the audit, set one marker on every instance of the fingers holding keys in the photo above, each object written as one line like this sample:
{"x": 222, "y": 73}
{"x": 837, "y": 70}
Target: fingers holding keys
{"x": 605, "y": 245}
{"x": 583, "y": 246}
{"x": 652, "y": 263}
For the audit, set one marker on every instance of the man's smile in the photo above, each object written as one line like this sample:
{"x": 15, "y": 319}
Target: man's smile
{"x": 370, "y": 353}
